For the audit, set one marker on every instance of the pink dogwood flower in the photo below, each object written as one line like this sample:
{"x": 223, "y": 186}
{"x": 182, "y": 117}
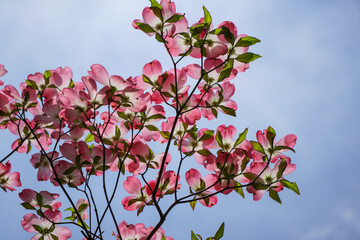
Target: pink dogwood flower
{"x": 268, "y": 179}
{"x": 41, "y": 200}
{"x": 8, "y": 179}
{"x": 276, "y": 149}
{"x": 199, "y": 184}
{"x": 140, "y": 195}
{"x": 45, "y": 229}
{"x": 40, "y": 162}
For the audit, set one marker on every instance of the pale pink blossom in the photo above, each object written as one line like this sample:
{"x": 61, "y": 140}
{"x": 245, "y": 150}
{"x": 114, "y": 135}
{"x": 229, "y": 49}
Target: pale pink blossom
{"x": 8, "y": 179}
{"x": 47, "y": 227}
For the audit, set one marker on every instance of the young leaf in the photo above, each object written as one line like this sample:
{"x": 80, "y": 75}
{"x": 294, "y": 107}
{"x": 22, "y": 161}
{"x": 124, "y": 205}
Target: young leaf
{"x": 207, "y": 17}
{"x": 247, "y": 41}
{"x": 228, "y": 111}
{"x": 82, "y": 207}
{"x": 259, "y": 186}
{"x": 154, "y": 3}
{"x": 204, "y": 152}
{"x": 270, "y": 135}
{"x": 38, "y": 228}
{"x": 278, "y": 148}
{"x": 220, "y": 232}
{"x": 157, "y": 116}
{"x": 54, "y": 237}
{"x": 145, "y": 27}
{"x": 152, "y": 128}
{"x": 207, "y": 135}
{"x": 281, "y": 170}
{"x": 226, "y": 71}
{"x": 193, "y": 204}
{"x": 32, "y": 84}
{"x": 175, "y": 18}
{"x": 247, "y": 57}
{"x": 193, "y": 236}
{"x": 219, "y": 139}
{"x": 28, "y": 206}
{"x": 257, "y": 146}
{"x": 47, "y": 75}
{"x": 274, "y": 195}
{"x": 290, "y": 185}
{"x": 239, "y": 189}
{"x": 89, "y": 138}
{"x": 141, "y": 208}
{"x": 241, "y": 138}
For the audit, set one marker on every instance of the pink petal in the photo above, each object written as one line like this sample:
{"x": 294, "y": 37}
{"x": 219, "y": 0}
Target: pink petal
{"x": 99, "y": 74}
{"x": 132, "y": 185}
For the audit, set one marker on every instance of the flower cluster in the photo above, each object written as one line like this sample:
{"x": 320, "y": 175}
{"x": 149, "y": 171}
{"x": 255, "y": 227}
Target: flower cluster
{"x": 83, "y": 130}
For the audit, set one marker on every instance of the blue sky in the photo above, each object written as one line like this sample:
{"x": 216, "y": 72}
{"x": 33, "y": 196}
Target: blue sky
{"x": 307, "y": 83}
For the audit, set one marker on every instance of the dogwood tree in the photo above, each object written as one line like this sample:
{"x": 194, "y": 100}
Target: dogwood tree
{"x": 82, "y": 130}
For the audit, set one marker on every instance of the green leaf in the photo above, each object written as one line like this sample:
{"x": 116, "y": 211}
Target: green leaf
{"x": 257, "y": 146}
{"x": 147, "y": 80}
{"x": 207, "y": 135}
{"x": 247, "y": 41}
{"x": 281, "y": 170}
{"x": 47, "y": 75}
{"x": 229, "y": 36}
{"x": 157, "y": 116}
{"x": 145, "y": 27}
{"x": 207, "y": 17}
{"x": 32, "y": 84}
{"x": 249, "y": 175}
{"x": 54, "y": 237}
{"x": 152, "y": 128}
{"x": 270, "y": 135}
{"x": 89, "y": 138}
{"x": 141, "y": 208}
{"x": 239, "y": 189}
{"x": 278, "y": 148}
{"x": 117, "y": 132}
{"x": 241, "y": 138}
{"x": 154, "y": 3}
{"x": 260, "y": 186}
{"x": 290, "y": 185}
{"x": 71, "y": 84}
{"x": 69, "y": 170}
{"x": 107, "y": 142}
{"x": 204, "y": 152}
{"x": 157, "y": 12}
{"x": 244, "y": 162}
{"x": 214, "y": 111}
{"x": 226, "y": 71}
{"x": 165, "y": 134}
{"x": 193, "y": 236}
{"x": 159, "y": 38}
{"x": 71, "y": 218}
{"x": 274, "y": 195}
{"x": 28, "y": 206}
{"x": 219, "y": 138}
{"x": 247, "y": 57}
{"x": 220, "y": 232}
{"x": 196, "y": 30}
{"x": 175, "y": 18}
{"x": 193, "y": 204}
{"x": 39, "y": 199}
{"x": 82, "y": 207}
{"x": 228, "y": 111}
{"x": 38, "y": 228}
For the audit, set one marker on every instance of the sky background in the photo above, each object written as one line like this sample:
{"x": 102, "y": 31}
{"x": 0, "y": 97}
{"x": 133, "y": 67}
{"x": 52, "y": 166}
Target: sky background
{"x": 306, "y": 83}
